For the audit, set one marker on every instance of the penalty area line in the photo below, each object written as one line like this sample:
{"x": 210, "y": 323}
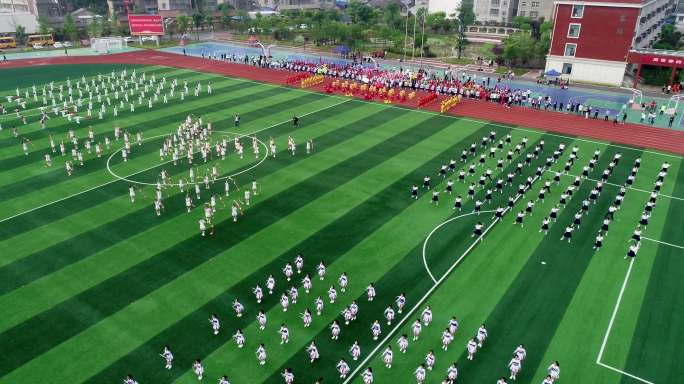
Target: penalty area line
{"x": 610, "y": 327}
{"x": 662, "y": 242}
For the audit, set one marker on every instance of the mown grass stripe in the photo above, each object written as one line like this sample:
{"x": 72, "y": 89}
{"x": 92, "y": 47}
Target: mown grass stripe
{"x": 63, "y": 208}
{"x": 32, "y": 105}
{"x": 79, "y": 183}
{"x": 21, "y": 77}
{"x": 557, "y": 285}
{"x": 381, "y": 206}
{"x": 59, "y": 125}
{"x": 173, "y": 262}
{"x": 605, "y": 274}
{"x": 48, "y": 260}
{"x": 366, "y": 154}
{"x": 81, "y": 221}
{"x": 478, "y": 283}
{"x": 124, "y": 255}
{"x": 408, "y": 268}
{"x": 143, "y": 120}
{"x": 656, "y": 339}
{"x": 57, "y": 174}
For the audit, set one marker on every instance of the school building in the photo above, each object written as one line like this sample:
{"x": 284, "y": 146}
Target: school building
{"x": 592, "y": 40}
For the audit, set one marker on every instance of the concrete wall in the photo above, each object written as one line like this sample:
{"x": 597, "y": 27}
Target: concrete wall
{"x": 589, "y": 71}
{"x": 9, "y": 22}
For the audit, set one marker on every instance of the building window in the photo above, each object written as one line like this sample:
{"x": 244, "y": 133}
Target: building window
{"x": 577, "y": 11}
{"x": 570, "y": 50}
{"x": 522, "y": 13}
{"x": 535, "y": 4}
{"x": 523, "y": 4}
{"x": 493, "y": 12}
{"x": 567, "y": 69}
{"x": 574, "y": 30}
{"x": 534, "y": 13}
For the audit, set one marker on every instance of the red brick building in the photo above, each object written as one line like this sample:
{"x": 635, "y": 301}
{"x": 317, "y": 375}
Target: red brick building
{"x": 591, "y": 40}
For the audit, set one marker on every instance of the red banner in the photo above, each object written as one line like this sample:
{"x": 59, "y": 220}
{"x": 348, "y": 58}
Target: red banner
{"x": 146, "y": 25}
{"x": 655, "y": 59}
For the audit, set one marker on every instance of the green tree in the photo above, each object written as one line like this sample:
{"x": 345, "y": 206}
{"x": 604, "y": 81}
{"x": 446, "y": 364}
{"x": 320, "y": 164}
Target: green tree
{"x": 208, "y": 20}
{"x": 20, "y": 34}
{"x": 521, "y": 22}
{"x": 43, "y": 26}
{"x": 94, "y": 29}
{"x": 170, "y": 27}
{"x": 243, "y": 22}
{"x": 465, "y": 17}
{"x": 669, "y": 38}
{"x": 69, "y": 27}
{"x": 360, "y": 13}
{"x": 519, "y": 48}
{"x": 392, "y": 15}
{"x": 197, "y": 22}
{"x": 486, "y": 51}
{"x": 225, "y": 18}
{"x": 115, "y": 24}
{"x": 182, "y": 23}
{"x": 436, "y": 21}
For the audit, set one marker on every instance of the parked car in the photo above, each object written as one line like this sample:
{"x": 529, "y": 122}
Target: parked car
{"x": 67, "y": 44}
{"x": 58, "y": 45}
{"x": 38, "y": 46}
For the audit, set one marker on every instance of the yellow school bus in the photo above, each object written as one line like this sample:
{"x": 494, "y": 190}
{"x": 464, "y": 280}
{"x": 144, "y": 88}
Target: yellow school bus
{"x": 8, "y": 42}
{"x": 43, "y": 40}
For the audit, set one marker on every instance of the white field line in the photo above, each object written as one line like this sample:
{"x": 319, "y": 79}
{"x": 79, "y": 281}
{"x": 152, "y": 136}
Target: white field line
{"x": 435, "y": 230}
{"x": 625, "y": 373}
{"x": 481, "y": 121}
{"x": 240, "y": 135}
{"x": 427, "y": 294}
{"x": 662, "y": 242}
{"x": 154, "y": 166}
{"x": 610, "y": 326}
{"x": 615, "y": 311}
{"x": 618, "y": 185}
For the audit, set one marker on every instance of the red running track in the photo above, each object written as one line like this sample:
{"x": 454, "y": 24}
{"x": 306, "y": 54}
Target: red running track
{"x": 636, "y": 135}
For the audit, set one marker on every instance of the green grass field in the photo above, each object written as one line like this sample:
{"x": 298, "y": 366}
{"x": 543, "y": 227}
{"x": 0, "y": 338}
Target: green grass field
{"x": 92, "y": 286}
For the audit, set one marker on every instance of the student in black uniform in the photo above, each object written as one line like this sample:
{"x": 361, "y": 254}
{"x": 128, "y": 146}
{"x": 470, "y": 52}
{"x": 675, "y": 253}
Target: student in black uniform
{"x": 598, "y": 243}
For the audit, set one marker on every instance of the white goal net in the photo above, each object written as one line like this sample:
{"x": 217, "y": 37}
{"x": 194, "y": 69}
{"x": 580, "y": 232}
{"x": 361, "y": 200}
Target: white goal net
{"x": 107, "y": 44}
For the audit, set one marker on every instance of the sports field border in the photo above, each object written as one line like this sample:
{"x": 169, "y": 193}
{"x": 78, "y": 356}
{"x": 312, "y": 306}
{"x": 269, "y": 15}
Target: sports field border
{"x": 635, "y": 135}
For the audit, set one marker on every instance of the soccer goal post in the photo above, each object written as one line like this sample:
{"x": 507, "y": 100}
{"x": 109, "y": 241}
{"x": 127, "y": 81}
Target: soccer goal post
{"x": 103, "y": 45}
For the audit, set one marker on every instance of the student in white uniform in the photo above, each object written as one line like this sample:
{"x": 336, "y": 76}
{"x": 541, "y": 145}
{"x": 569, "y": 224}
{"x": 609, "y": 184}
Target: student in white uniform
{"x": 168, "y": 357}
{"x": 284, "y": 334}
{"x": 514, "y": 366}
{"x": 471, "y": 347}
{"x": 239, "y": 338}
{"x": 261, "y": 354}
{"x": 368, "y": 376}
{"x": 481, "y": 335}
{"x": 388, "y": 356}
{"x": 343, "y": 368}
{"x": 355, "y": 350}
{"x": 198, "y": 368}
{"x": 215, "y": 323}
